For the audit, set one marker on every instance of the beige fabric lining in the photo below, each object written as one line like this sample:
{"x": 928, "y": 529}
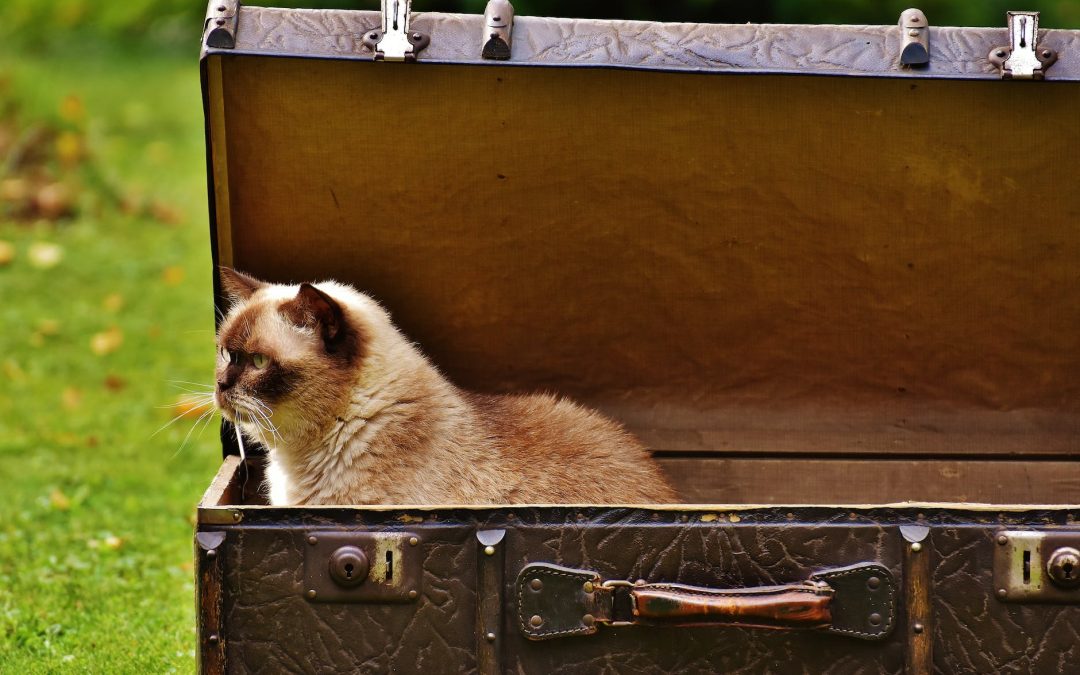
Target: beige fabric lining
{"x": 731, "y": 255}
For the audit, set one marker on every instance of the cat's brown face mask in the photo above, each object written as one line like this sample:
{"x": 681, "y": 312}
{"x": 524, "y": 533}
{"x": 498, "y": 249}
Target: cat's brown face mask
{"x": 281, "y": 354}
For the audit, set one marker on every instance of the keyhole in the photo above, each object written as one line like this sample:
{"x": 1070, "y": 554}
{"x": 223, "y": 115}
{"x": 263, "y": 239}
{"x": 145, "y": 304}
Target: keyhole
{"x": 348, "y": 570}
{"x": 1067, "y": 568}
{"x": 389, "y": 565}
{"x": 1023, "y": 31}
{"x": 1027, "y": 567}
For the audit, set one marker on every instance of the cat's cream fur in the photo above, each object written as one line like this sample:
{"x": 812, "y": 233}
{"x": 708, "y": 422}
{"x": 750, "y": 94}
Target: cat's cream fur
{"x": 352, "y": 413}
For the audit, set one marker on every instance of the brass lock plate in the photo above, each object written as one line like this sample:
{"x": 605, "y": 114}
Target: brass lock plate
{"x": 362, "y": 567}
{"x": 1037, "y": 566}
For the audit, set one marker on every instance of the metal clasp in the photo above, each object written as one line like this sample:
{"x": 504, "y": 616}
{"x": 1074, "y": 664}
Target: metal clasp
{"x": 395, "y": 41}
{"x": 1023, "y": 58}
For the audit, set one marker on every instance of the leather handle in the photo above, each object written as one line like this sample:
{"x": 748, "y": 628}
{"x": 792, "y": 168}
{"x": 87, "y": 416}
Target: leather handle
{"x": 857, "y": 601}
{"x": 802, "y": 606}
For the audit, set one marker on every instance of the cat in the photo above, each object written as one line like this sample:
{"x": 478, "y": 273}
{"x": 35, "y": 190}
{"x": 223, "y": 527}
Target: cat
{"x": 352, "y": 413}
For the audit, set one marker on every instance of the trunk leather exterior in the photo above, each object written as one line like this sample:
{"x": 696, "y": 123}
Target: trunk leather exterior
{"x": 268, "y": 623}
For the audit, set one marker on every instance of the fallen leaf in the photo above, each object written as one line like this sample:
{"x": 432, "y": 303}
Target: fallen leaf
{"x": 165, "y": 213}
{"x": 113, "y": 302}
{"x": 72, "y": 109}
{"x": 107, "y": 341}
{"x": 14, "y": 190}
{"x": 71, "y": 398}
{"x": 113, "y": 542}
{"x": 191, "y": 408}
{"x": 115, "y": 383}
{"x": 59, "y": 501}
{"x": 7, "y": 252}
{"x": 53, "y": 201}
{"x": 69, "y": 148}
{"x": 44, "y": 255}
{"x": 173, "y": 275}
{"x": 48, "y": 327}
{"x": 14, "y": 371}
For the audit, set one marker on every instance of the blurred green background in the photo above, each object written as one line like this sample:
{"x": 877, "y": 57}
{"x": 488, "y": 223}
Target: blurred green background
{"x": 107, "y": 317}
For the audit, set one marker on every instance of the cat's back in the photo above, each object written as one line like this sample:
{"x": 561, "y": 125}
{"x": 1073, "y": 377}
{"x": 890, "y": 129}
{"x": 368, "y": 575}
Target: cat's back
{"x": 566, "y": 453}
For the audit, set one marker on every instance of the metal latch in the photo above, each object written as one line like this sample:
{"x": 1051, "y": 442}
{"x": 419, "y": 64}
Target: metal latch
{"x": 1023, "y": 58}
{"x": 395, "y": 41}
{"x": 362, "y": 567}
{"x": 1037, "y": 566}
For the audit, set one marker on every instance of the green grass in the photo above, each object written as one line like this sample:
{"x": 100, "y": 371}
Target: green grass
{"x": 95, "y": 510}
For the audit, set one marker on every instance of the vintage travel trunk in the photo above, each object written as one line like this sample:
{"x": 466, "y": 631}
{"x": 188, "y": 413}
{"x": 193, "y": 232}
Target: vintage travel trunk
{"x": 828, "y": 274}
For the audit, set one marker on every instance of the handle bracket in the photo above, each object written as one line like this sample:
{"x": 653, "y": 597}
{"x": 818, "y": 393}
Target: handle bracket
{"x": 857, "y": 601}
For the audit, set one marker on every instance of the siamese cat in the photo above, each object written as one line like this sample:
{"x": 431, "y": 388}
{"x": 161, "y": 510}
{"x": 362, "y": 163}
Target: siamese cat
{"x": 352, "y": 413}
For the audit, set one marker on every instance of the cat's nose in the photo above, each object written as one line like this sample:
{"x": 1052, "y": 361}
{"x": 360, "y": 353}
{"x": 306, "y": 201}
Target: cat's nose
{"x": 226, "y": 384}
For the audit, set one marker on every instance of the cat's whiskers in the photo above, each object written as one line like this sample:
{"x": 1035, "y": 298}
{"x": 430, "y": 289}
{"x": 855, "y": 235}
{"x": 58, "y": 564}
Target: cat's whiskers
{"x": 207, "y": 415}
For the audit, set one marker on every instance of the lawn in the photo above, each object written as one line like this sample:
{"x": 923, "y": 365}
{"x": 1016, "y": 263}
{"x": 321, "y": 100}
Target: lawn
{"x": 102, "y": 314}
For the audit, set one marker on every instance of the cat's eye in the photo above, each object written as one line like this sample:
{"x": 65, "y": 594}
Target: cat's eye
{"x": 231, "y": 357}
{"x": 259, "y": 360}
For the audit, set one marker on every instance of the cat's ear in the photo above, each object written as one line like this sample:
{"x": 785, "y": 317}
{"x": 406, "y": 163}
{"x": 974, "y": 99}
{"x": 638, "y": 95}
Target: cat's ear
{"x": 238, "y": 286}
{"x": 314, "y": 308}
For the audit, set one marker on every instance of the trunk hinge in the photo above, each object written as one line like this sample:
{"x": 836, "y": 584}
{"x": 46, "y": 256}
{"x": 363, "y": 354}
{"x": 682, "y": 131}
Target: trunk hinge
{"x": 1023, "y": 58}
{"x": 395, "y": 41}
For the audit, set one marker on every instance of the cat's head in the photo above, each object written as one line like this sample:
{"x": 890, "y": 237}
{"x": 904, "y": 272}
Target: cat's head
{"x": 286, "y": 354}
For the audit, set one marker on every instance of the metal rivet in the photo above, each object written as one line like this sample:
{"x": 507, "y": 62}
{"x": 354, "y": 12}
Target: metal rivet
{"x": 1002, "y": 539}
{"x": 914, "y": 32}
{"x": 1002, "y": 593}
{"x": 413, "y": 541}
{"x": 220, "y": 22}
{"x": 536, "y": 584}
{"x": 416, "y": 36}
{"x": 916, "y": 547}
{"x": 914, "y": 19}
{"x": 221, "y": 8}
{"x": 1047, "y": 53}
{"x": 536, "y": 621}
{"x": 213, "y": 639}
{"x": 873, "y": 582}
{"x": 1000, "y": 53}
{"x": 313, "y": 540}
{"x": 236, "y": 515}
{"x": 496, "y": 18}
{"x": 373, "y": 36}
{"x": 311, "y": 594}
{"x": 413, "y": 595}
{"x": 490, "y": 637}
{"x": 493, "y": 35}
{"x": 588, "y": 620}
{"x": 489, "y": 550}
{"x": 587, "y": 587}
{"x": 875, "y": 619}
{"x": 212, "y": 553}
{"x": 917, "y": 628}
